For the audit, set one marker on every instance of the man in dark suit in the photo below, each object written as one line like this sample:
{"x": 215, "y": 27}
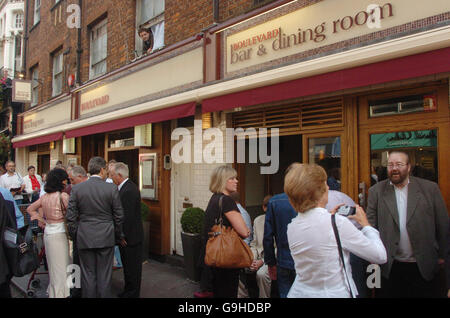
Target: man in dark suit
{"x": 131, "y": 251}
{"x": 412, "y": 219}
{"x": 95, "y": 216}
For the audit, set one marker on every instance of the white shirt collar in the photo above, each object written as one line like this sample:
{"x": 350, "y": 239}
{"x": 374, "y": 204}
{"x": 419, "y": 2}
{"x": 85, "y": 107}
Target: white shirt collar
{"x": 123, "y": 182}
{"x": 96, "y": 176}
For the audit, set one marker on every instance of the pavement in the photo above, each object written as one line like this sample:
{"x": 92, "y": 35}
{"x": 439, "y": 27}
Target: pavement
{"x": 159, "y": 280}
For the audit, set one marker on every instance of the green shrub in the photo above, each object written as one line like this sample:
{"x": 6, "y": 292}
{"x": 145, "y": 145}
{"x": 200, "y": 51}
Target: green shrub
{"x": 192, "y": 220}
{"x": 145, "y": 211}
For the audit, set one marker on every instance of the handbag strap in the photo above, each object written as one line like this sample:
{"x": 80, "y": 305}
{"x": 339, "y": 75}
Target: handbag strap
{"x": 341, "y": 256}
{"x": 221, "y": 210}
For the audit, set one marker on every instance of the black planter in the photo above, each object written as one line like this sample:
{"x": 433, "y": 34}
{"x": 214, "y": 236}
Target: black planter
{"x": 191, "y": 250}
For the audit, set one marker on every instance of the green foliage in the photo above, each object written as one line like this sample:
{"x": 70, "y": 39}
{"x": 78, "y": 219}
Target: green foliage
{"x": 145, "y": 211}
{"x": 5, "y": 148}
{"x": 192, "y": 220}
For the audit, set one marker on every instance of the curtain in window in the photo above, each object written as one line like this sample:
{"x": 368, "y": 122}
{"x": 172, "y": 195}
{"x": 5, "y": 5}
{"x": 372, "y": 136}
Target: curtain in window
{"x": 158, "y": 35}
{"x": 99, "y": 50}
{"x": 57, "y": 74}
{"x": 151, "y": 9}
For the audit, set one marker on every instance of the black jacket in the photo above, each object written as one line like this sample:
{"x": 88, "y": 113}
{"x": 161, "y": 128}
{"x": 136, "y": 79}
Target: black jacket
{"x": 5, "y": 273}
{"x": 131, "y": 203}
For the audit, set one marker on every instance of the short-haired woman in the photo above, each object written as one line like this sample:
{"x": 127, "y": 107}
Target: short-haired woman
{"x": 223, "y": 182}
{"x": 50, "y": 210}
{"x": 312, "y": 242}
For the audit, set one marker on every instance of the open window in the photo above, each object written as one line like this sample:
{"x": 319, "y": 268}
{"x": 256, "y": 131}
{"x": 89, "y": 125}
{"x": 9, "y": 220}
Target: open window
{"x": 150, "y": 15}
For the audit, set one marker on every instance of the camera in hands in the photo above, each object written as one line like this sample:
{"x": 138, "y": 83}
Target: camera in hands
{"x": 346, "y": 210}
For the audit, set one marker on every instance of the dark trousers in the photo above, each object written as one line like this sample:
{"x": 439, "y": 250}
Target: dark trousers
{"x": 225, "y": 282}
{"x": 5, "y": 291}
{"x": 206, "y": 279}
{"x": 96, "y": 272}
{"x": 75, "y": 292}
{"x": 285, "y": 279}
{"x": 405, "y": 281}
{"x": 248, "y": 278}
{"x": 132, "y": 270}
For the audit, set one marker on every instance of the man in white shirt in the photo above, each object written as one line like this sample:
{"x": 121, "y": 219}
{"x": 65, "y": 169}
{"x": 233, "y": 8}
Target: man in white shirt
{"x": 12, "y": 180}
{"x": 412, "y": 218}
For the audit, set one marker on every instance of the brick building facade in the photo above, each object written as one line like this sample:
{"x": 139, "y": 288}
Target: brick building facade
{"x": 339, "y": 87}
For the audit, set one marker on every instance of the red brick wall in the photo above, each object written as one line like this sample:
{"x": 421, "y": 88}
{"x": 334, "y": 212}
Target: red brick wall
{"x": 47, "y": 36}
{"x": 185, "y": 18}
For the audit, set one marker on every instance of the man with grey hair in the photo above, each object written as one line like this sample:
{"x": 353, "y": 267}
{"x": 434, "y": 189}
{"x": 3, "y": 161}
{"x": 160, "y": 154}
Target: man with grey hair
{"x": 131, "y": 251}
{"x": 77, "y": 175}
{"x": 95, "y": 217}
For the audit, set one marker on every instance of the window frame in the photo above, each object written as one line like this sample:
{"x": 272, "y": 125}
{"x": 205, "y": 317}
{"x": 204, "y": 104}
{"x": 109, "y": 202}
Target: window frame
{"x": 37, "y": 12}
{"x": 101, "y": 24}
{"x": 56, "y": 55}
{"x": 34, "y": 86}
{"x": 150, "y": 24}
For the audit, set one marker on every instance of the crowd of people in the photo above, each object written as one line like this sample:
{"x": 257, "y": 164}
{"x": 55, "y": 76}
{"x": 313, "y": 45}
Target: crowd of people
{"x": 305, "y": 247}
{"x": 308, "y": 243}
{"x": 83, "y": 219}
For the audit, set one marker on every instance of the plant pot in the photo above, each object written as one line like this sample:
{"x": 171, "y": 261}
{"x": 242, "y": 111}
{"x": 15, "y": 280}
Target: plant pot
{"x": 146, "y": 243}
{"x": 191, "y": 249}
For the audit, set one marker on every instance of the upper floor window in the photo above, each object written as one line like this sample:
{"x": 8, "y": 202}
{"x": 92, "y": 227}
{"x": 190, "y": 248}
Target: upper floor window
{"x": 99, "y": 49}
{"x": 37, "y": 11}
{"x": 57, "y": 74}
{"x": 151, "y": 16}
{"x": 34, "y": 87}
{"x": 18, "y": 21}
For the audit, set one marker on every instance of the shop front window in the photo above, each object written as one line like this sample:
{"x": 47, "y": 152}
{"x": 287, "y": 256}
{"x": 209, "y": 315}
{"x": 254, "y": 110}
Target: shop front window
{"x": 326, "y": 152}
{"x": 421, "y": 146}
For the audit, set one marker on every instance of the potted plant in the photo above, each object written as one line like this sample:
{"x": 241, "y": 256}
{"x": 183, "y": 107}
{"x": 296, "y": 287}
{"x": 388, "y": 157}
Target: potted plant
{"x": 145, "y": 212}
{"x": 192, "y": 224}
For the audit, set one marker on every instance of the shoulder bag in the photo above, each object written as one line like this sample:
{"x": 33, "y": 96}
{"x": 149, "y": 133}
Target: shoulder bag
{"x": 20, "y": 249}
{"x": 341, "y": 256}
{"x": 225, "y": 248}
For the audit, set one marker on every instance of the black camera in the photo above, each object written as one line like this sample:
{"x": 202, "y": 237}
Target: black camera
{"x": 346, "y": 210}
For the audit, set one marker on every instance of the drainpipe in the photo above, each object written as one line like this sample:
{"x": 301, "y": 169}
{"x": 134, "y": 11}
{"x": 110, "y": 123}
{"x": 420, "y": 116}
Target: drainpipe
{"x": 79, "y": 49}
{"x": 25, "y": 38}
{"x": 216, "y": 11}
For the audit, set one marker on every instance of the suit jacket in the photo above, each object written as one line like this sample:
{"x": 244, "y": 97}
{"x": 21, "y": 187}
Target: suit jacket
{"x": 95, "y": 214}
{"x": 131, "y": 202}
{"x": 426, "y": 223}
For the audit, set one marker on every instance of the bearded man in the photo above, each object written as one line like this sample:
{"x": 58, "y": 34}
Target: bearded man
{"x": 412, "y": 219}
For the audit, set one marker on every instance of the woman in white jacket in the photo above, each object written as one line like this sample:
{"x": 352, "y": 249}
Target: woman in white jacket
{"x": 33, "y": 184}
{"x": 312, "y": 242}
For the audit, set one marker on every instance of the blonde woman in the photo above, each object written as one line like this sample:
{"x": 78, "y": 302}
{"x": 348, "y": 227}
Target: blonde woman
{"x": 50, "y": 210}
{"x": 319, "y": 272}
{"x": 223, "y": 182}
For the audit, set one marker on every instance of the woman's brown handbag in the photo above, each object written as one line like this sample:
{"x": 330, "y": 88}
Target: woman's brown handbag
{"x": 225, "y": 249}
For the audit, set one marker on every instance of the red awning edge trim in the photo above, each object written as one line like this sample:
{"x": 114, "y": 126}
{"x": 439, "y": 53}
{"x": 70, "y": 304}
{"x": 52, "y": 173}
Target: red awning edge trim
{"x": 423, "y": 64}
{"x": 38, "y": 140}
{"x": 156, "y": 116}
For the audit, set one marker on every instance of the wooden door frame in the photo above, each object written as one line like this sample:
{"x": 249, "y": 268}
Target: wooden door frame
{"x": 436, "y": 120}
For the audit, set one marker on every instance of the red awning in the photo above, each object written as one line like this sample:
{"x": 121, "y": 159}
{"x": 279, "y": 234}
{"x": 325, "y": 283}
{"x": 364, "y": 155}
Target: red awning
{"x": 423, "y": 64}
{"x": 38, "y": 140}
{"x": 156, "y": 116}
